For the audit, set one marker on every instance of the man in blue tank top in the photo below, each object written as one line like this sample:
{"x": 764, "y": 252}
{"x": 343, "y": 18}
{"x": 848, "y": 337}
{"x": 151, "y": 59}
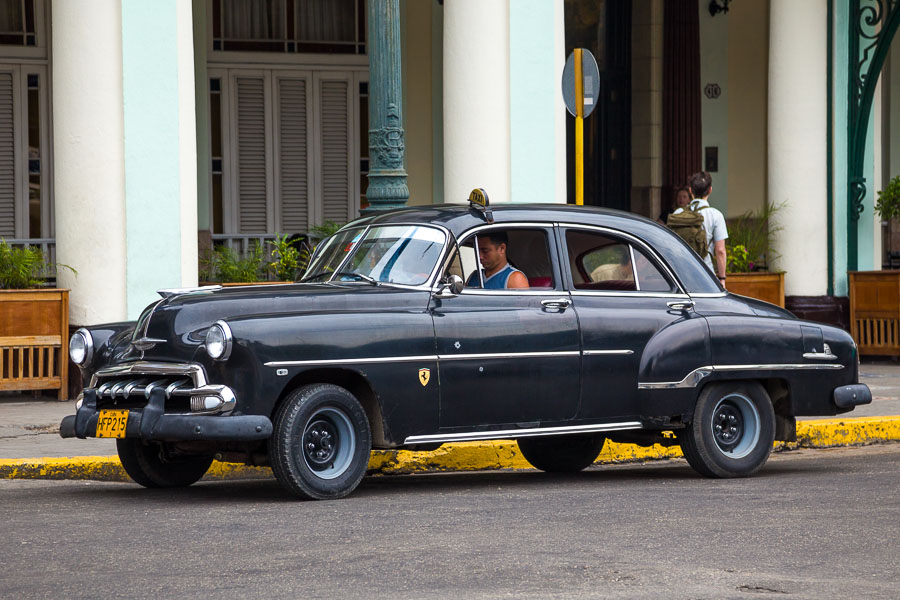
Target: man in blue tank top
{"x": 498, "y": 273}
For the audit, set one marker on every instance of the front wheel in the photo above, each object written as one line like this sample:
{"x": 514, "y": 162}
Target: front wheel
{"x": 561, "y": 453}
{"x": 321, "y": 443}
{"x": 732, "y": 431}
{"x": 154, "y": 465}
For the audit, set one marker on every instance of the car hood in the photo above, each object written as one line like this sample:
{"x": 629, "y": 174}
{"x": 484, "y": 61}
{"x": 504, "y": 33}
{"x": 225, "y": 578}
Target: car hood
{"x": 174, "y": 328}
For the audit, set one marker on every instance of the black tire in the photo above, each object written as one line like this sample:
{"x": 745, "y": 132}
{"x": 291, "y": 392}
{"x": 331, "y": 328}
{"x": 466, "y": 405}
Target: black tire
{"x": 561, "y": 453}
{"x": 321, "y": 444}
{"x": 146, "y": 464}
{"x": 732, "y": 431}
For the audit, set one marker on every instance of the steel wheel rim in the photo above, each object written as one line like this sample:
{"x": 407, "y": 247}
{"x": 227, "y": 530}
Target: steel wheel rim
{"x": 328, "y": 443}
{"x": 735, "y": 426}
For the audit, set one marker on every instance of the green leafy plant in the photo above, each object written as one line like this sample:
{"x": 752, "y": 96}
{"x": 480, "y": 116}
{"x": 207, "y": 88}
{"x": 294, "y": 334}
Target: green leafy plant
{"x": 285, "y": 258}
{"x": 752, "y": 233}
{"x": 737, "y": 260}
{"x": 888, "y": 203}
{"x": 22, "y": 268}
{"x": 225, "y": 265}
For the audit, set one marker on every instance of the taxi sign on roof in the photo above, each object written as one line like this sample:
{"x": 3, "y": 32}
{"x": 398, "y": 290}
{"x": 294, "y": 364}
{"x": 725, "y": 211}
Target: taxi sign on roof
{"x": 478, "y": 199}
{"x": 479, "y": 196}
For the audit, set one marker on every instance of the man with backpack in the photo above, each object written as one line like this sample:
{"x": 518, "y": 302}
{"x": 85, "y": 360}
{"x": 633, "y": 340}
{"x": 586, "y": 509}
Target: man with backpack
{"x": 702, "y": 226}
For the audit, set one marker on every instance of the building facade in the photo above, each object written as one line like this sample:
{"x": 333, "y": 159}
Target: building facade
{"x": 134, "y": 134}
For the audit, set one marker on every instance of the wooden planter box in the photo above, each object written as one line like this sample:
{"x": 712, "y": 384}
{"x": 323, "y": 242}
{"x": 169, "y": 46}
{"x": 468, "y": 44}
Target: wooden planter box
{"x": 760, "y": 285}
{"x": 34, "y": 331}
{"x": 875, "y": 311}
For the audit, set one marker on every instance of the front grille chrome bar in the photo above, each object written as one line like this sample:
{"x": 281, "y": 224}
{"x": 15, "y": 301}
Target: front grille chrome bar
{"x": 179, "y": 380}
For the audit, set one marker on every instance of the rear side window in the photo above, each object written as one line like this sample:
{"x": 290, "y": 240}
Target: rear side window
{"x": 602, "y": 262}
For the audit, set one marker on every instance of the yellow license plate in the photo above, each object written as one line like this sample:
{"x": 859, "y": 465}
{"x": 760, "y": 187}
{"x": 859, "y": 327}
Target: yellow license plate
{"x": 112, "y": 423}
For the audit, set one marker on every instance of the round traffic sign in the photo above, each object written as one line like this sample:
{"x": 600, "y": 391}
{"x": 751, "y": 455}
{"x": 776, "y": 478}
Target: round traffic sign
{"x": 590, "y": 76}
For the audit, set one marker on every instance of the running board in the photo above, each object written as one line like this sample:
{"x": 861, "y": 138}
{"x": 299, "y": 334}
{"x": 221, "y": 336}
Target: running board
{"x": 511, "y": 434}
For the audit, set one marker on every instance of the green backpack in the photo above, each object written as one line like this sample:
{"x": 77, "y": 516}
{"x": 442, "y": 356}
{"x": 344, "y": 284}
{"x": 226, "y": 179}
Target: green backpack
{"x": 688, "y": 224}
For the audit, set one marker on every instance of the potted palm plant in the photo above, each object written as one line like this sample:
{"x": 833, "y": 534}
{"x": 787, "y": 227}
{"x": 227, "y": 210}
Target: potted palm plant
{"x": 750, "y": 254}
{"x": 34, "y": 323}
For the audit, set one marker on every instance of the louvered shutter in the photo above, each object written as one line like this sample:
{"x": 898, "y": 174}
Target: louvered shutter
{"x": 334, "y": 137}
{"x": 7, "y": 159}
{"x": 292, "y": 147}
{"x": 251, "y": 155}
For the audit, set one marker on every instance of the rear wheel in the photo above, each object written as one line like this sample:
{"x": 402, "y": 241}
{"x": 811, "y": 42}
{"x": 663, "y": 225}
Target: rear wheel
{"x": 154, "y": 465}
{"x": 562, "y": 453}
{"x": 732, "y": 432}
{"x": 321, "y": 443}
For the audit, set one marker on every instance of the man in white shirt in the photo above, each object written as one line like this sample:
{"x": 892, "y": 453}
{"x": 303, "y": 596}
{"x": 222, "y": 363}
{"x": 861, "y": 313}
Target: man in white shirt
{"x": 700, "y": 185}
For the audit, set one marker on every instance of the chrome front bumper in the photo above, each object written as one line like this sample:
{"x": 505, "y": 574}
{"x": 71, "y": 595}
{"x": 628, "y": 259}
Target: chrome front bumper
{"x": 150, "y": 422}
{"x": 138, "y": 380}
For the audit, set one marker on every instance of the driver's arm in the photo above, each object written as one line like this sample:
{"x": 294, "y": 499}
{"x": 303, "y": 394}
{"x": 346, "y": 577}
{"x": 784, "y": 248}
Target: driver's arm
{"x": 517, "y": 280}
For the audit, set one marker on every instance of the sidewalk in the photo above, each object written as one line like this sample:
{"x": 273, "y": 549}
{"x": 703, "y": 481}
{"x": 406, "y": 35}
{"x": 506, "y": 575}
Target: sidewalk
{"x": 29, "y": 430}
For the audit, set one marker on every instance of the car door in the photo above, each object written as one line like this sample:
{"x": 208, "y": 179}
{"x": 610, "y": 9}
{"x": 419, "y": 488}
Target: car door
{"x": 621, "y": 293}
{"x": 508, "y": 357}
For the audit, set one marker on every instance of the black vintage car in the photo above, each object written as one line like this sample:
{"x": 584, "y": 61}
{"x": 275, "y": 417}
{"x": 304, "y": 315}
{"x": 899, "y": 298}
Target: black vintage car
{"x": 621, "y": 334}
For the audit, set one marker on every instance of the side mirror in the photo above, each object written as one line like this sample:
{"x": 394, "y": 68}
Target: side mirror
{"x": 451, "y": 286}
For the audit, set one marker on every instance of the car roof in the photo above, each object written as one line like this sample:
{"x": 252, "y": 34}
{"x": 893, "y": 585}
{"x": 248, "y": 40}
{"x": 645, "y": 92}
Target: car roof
{"x": 460, "y": 218}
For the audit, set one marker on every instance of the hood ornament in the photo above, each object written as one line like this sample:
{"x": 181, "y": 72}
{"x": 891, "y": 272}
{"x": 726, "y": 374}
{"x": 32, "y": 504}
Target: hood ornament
{"x": 145, "y": 343}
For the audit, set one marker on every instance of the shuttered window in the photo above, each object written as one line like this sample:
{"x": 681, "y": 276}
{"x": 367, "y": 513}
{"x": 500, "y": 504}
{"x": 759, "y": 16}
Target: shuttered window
{"x": 335, "y": 142}
{"x": 291, "y": 153}
{"x": 251, "y": 155}
{"x": 7, "y": 158}
{"x": 293, "y": 168}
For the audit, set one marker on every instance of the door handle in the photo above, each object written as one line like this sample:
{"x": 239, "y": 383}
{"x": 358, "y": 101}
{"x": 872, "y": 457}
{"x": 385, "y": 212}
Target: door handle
{"x": 560, "y": 303}
{"x": 681, "y": 304}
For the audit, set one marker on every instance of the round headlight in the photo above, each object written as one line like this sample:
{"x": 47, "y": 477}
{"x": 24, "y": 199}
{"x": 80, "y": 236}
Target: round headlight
{"x": 218, "y": 341}
{"x": 81, "y": 347}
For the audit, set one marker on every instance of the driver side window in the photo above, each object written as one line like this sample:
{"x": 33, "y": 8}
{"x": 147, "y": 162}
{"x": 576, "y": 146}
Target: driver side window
{"x": 502, "y": 253}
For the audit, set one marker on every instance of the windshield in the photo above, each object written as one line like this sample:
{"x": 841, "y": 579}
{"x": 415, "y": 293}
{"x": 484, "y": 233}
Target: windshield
{"x": 402, "y": 254}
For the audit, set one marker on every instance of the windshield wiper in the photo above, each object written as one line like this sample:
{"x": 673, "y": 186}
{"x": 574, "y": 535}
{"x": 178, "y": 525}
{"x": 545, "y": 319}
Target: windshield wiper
{"x": 362, "y": 277}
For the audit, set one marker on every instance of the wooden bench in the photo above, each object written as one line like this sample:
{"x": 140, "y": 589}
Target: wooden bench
{"x": 875, "y": 311}
{"x": 34, "y": 330}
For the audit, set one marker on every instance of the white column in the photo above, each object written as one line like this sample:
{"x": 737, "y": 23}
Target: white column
{"x": 797, "y": 142}
{"x": 88, "y": 149}
{"x": 476, "y": 99}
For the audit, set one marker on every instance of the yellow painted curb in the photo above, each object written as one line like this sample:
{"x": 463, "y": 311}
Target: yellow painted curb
{"x": 466, "y": 456}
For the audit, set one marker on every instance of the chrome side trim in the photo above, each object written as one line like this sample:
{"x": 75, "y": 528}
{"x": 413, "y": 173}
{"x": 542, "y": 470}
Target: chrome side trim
{"x": 508, "y": 355}
{"x": 349, "y": 361}
{"x": 775, "y": 367}
{"x": 697, "y": 375}
{"x": 620, "y": 294}
{"x": 602, "y": 352}
{"x": 690, "y": 380}
{"x": 431, "y": 357}
{"x": 825, "y": 354}
{"x": 819, "y": 356}
{"x": 519, "y": 433}
{"x": 192, "y": 370}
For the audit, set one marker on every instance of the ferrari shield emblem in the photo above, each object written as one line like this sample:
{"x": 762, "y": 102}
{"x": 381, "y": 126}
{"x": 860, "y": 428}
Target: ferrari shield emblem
{"x": 424, "y": 376}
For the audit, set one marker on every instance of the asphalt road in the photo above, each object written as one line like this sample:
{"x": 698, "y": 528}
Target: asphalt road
{"x": 813, "y": 524}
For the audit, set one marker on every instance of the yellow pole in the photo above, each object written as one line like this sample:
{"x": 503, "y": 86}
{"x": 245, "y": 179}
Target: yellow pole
{"x": 579, "y": 131}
